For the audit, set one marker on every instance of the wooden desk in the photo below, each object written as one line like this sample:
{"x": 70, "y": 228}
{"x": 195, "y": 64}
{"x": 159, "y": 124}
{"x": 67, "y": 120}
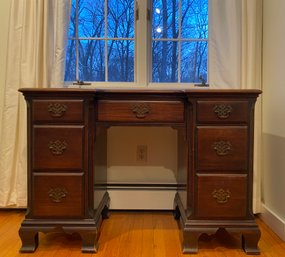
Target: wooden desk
{"x": 67, "y": 159}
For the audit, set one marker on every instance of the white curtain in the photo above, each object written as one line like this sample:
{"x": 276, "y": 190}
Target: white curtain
{"x": 35, "y": 58}
{"x": 235, "y": 51}
{"x": 251, "y": 78}
{"x": 225, "y": 43}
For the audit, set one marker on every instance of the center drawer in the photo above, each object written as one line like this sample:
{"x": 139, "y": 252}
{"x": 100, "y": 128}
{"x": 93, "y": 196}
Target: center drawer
{"x": 140, "y": 111}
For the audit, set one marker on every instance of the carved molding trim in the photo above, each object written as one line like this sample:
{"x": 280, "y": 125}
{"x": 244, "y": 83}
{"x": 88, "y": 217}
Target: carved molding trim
{"x": 141, "y": 110}
{"x": 222, "y": 147}
{"x": 223, "y": 111}
{"x": 57, "y": 147}
{"x": 57, "y": 110}
{"x": 221, "y": 195}
{"x": 57, "y": 194}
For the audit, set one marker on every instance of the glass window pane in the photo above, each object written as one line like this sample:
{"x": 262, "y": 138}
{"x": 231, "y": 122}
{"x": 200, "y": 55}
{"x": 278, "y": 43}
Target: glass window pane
{"x": 121, "y": 60}
{"x": 121, "y": 18}
{"x": 194, "y": 19}
{"x": 91, "y": 18}
{"x": 165, "y": 19}
{"x": 194, "y": 57}
{"x": 164, "y": 61}
{"x": 91, "y": 60}
{"x": 70, "y": 62}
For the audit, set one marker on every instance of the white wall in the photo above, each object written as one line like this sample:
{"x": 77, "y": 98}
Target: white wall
{"x": 124, "y": 164}
{"x": 4, "y": 19}
{"x": 124, "y": 167}
{"x": 273, "y": 179}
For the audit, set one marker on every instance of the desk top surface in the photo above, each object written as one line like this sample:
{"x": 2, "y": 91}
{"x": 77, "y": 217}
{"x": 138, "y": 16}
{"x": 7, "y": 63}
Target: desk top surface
{"x": 148, "y": 91}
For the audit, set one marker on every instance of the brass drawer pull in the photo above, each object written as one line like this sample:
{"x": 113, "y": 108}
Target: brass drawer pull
{"x": 222, "y": 147}
{"x": 223, "y": 111}
{"x": 141, "y": 110}
{"x": 57, "y": 147}
{"x": 57, "y": 110}
{"x": 57, "y": 194}
{"x": 221, "y": 195}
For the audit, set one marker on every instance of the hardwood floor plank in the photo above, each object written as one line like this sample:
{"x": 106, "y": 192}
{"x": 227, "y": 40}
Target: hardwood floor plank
{"x": 133, "y": 234}
{"x": 137, "y": 235}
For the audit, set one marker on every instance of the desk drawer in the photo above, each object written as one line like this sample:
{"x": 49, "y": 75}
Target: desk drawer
{"x": 58, "y": 195}
{"x": 141, "y": 111}
{"x": 222, "y": 148}
{"x": 222, "y": 111}
{"x": 58, "y": 147}
{"x": 221, "y": 196}
{"x": 58, "y": 110}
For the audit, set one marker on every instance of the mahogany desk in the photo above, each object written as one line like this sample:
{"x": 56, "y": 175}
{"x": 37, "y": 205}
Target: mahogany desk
{"x": 67, "y": 159}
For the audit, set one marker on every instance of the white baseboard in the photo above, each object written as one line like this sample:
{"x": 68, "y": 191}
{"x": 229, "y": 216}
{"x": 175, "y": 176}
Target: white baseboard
{"x": 141, "y": 199}
{"x": 276, "y": 224}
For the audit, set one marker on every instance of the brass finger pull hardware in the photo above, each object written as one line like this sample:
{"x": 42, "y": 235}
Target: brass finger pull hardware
{"x": 141, "y": 110}
{"x": 221, "y": 195}
{"x": 222, "y": 147}
{"x": 57, "y": 147}
{"x": 223, "y": 111}
{"x": 57, "y": 110}
{"x": 57, "y": 194}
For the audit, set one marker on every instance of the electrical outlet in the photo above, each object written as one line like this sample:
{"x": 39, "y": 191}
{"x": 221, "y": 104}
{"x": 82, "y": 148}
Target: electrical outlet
{"x": 142, "y": 153}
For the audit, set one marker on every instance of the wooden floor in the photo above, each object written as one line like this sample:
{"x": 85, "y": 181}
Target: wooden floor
{"x": 133, "y": 234}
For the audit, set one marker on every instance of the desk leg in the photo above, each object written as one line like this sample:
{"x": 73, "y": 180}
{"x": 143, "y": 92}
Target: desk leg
{"x": 90, "y": 237}
{"x": 190, "y": 242}
{"x": 30, "y": 240}
{"x": 89, "y": 241}
{"x": 250, "y": 241}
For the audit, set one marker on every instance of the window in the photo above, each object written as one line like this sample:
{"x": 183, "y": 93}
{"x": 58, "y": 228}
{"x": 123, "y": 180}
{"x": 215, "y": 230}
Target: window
{"x": 138, "y": 42}
{"x": 179, "y": 40}
{"x": 101, "y": 41}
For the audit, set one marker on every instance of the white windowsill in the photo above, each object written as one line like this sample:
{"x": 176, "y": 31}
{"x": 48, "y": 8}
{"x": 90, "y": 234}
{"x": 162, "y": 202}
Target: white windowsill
{"x": 135, "y": 86}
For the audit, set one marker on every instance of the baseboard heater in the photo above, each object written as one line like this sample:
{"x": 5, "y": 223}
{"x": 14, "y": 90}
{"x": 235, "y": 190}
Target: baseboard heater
{"x": 138, "y": 196}
{"x": 140, "y": 186}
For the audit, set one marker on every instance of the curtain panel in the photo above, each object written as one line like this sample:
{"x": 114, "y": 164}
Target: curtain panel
{"x": 251, "y": 74}
{"x": 235, "y": 51}
{"x": 35, "y": 58}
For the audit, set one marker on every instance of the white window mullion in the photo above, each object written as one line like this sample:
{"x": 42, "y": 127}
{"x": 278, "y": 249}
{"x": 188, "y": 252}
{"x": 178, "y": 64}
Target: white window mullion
{"x": 179, "y": 41}
{"x": 76, "y": 43}
{"x": 149, "y": 43}
{"x": 135, "y": 39}
{"x": 105, "y": 40}
{"x": 141, "y": 44}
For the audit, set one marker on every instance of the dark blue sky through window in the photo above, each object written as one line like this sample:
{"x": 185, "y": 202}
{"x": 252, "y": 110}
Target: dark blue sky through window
{"x": 179, "y": 45}
{"x": 101, "y": 41}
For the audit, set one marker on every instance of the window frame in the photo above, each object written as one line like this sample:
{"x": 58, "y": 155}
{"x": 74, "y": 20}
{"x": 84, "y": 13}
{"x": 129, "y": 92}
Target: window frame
{"x": 142, "y": 53}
